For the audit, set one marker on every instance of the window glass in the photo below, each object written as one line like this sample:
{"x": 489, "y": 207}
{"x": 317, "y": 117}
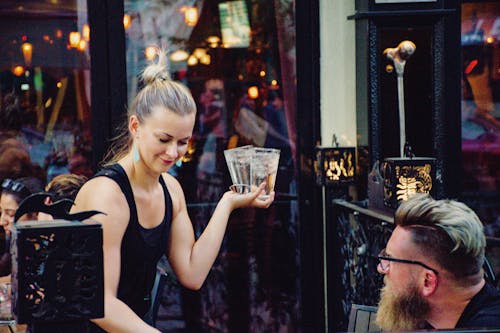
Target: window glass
{"x": 481, "y": 107}
{"x": 44, "y": 88}
{"x": 238, "y": 60}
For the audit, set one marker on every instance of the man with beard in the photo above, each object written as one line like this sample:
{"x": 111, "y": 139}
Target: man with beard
{"x": 432, "y": 268}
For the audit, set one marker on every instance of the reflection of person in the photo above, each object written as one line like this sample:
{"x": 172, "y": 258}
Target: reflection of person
{"x": 146, "y": 213}
{"x": 432, "y": 269}
{"x": 63, "y": 186}
{"x": 13, "y": 192}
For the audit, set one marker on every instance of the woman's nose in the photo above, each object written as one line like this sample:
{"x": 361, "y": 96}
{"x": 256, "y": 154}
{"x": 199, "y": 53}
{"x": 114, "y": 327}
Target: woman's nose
{"x": 172, "y": 150}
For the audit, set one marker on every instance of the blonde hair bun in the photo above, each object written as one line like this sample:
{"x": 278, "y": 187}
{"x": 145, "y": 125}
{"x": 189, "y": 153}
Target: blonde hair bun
{"x": 156, "y": 71}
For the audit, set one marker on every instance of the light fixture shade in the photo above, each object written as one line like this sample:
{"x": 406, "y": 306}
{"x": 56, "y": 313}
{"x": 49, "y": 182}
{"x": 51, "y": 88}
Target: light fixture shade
{"x": 406, "y": 176}
{"x": 335, "y": 165}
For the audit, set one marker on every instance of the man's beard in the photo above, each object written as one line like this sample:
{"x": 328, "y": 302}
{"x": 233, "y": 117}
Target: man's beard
{"x": 401, "y": 311}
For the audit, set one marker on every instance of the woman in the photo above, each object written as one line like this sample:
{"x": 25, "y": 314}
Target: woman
{"x": 146, "y": 214}
{"x": 13, "y": 192}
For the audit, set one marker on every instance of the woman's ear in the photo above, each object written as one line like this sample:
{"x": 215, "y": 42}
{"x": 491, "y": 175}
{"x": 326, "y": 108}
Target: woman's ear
{"x": 133, "y": 125}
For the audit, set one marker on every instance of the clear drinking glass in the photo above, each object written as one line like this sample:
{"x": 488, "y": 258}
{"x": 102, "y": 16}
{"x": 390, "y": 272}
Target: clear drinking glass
{"x": 264, "y": 167}
{"x": 239, "y": 164}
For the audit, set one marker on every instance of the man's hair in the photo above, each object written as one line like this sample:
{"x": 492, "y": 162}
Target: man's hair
{"x": 65, "y": 186}
{"x": 447, "y": 231}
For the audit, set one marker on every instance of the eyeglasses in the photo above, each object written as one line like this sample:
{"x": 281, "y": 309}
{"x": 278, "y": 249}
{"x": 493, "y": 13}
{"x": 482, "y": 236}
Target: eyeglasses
{"x": 385, "y": 261}
{"x": 15, "y": 187}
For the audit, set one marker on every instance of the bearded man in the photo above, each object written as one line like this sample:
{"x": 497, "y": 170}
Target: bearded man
{"x": 432, "y": 268}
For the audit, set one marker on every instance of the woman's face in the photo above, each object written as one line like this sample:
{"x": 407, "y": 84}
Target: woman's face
{"x": 163, "y": 138}
{"x": 8, "y": 207}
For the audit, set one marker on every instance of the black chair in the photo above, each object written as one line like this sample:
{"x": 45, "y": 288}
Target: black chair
{"x": 362, "y": 319}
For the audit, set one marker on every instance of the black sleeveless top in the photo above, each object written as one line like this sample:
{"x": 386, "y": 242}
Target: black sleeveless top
{"x": 141, "y": 248}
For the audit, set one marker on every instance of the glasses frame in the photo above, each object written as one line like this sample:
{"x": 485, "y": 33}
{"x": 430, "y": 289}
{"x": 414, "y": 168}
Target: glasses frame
{"x": 381, "y": 257}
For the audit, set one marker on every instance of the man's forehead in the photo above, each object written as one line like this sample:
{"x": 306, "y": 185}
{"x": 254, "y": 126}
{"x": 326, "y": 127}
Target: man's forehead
{"x": 400, "y": 243}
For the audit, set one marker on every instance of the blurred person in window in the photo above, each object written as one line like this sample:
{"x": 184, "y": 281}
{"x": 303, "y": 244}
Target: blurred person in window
{"x": 13, "y": 193}
{"x": 146, "y": 213}
{"x": 15, "y": 160}
{"x": 432, "y": 268}
{"x": 63, "y": 186}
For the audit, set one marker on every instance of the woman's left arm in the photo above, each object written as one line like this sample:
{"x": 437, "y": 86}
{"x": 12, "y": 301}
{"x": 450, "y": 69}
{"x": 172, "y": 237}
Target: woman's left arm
{"x": 190, "y": 258}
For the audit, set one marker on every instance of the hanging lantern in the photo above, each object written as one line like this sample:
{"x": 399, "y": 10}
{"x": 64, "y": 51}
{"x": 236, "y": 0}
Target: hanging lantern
{"x": 74, "y": 39}
{"x": 406, "y": 176}
{"x": 253, "y": 92}
{"x": 27, "y": 49}
{"x": 335, "y": 165}
{"x": 18, "y": 70}
{"x": 127, "y": 20}
{"x": 150, "y": 52}
{"x": 86, "y": 32}
{"x": 190, "y": 15}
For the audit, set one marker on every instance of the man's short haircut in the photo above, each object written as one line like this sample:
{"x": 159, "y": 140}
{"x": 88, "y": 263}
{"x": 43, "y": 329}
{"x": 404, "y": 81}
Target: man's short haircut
{"x": 447, "y": 231}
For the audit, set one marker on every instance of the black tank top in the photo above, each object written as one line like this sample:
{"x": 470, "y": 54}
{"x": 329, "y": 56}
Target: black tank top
{"x": 141, "y": 248}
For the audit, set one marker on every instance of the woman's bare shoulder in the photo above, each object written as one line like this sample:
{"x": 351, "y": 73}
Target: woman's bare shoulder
{"x": 102, "y": 194}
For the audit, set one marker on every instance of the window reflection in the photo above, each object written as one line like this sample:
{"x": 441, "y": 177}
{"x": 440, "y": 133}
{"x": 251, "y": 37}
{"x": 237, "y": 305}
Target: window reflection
{"x": 481, "y": 99}
{"x": 238, "y": 60}
{"x": 45, "y": 88}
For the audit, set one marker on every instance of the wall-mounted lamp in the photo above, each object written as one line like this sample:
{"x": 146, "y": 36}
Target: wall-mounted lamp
{"x": 27, "y": 49}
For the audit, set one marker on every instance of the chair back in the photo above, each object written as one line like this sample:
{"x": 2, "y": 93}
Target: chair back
{"x": 362, "y": 319}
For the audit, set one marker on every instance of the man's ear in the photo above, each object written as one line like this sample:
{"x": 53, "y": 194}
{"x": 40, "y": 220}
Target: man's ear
{"x": 430, "y": 283}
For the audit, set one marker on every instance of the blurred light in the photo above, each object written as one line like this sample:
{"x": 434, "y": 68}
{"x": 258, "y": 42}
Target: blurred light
{"x": 253, "y": 92}
{"x": 86, "y": 32}
{"x": 25, "y": 87}
{"x": 213, "y": 41}
{"x": 24, "y": 38}
{"x": 192, "y": 60}
{"x": 240, "y": 77}
{"x": 490, "y": 40}
{"x": 48, "y": 103}
{"x": 18, "y": 70}
{"x": 127, "y": 20}
{"x": 179, "y": 55}
{"x": 205, "y": 59}
{"x": 59, "y": 33}
{"x": 470, "y": 67}
{"x": 59, "y": 84}
{"x": 27, "y": 49}
{"x": 74, "y": 39}
{"x": 262, "y": 73}
{"x": 150, "y": 52}
{"x": 46, "y": 38}
{"x": 82, "y": 46}
{"x": 274, "y": 83}
{"x": 190, "y": 15}
{"x": 199, "y": 52}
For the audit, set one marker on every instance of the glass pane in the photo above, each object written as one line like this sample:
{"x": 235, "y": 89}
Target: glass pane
{"x": 481, "y": 107}
{"x": 44, "y": 88}
{"x": 238, "y": 60}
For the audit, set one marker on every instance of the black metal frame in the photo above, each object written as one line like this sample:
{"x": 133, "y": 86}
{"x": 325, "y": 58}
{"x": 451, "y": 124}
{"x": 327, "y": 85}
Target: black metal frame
{"x": 108, "y": 70}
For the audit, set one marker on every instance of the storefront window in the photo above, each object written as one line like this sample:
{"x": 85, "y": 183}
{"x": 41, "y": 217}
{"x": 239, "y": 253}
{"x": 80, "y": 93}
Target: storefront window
{"x": 481, "y": 106}
{"x": 44, "y": 89}
{"x": 238, "y": 60}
